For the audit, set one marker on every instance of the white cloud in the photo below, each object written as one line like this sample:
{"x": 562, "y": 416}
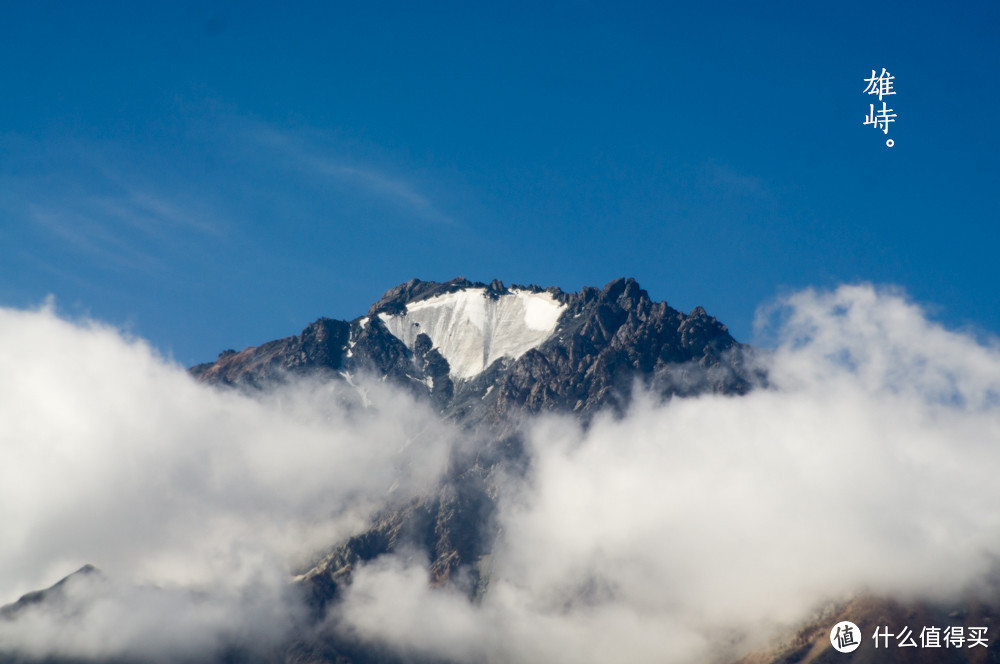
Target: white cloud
{"x": 701, "y": 525}
{"x": 109, "y": 455}
{"x": 685, "y": 530}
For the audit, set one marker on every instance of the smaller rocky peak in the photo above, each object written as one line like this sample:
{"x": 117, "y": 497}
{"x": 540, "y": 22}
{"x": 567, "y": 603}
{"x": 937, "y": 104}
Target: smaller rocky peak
{"x": 587, "y": 295}
{"x": 495, "y": 290}
{"x": 633, "y": 297}
{"x": 698, "y": 312}
{"x": 624, "y": 293}
{"x": 324, "y": 340}
{"x": 699, "y": 316}
{"x": 699, "y": 328}
{"x": 613, "y": 289}
{"x": 558, "y": 294}
{"x": 394, "y": 300}
{"x": 320, "y": 347}
{"x": 55, "y": 592}
{"x": 85, "y": 570}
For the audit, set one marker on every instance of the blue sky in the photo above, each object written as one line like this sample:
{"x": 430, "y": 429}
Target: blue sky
{"x": 216, "y": 175}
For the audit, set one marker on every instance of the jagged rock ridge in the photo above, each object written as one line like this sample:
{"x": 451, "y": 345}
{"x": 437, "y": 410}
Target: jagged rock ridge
{"x": 604, "y": 341}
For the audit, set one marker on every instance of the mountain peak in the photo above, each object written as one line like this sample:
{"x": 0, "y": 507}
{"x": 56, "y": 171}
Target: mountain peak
{"x": 486, "y": 351}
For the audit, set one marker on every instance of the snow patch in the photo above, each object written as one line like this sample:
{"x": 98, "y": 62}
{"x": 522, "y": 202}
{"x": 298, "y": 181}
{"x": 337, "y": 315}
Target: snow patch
{"x": 472, "y": 331}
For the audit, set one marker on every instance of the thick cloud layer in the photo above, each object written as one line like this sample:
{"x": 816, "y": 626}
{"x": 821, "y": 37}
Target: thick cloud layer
{"x": 698, "y": 527}
{"x": 685, "y": 530}
{"x": 109, "y": 455}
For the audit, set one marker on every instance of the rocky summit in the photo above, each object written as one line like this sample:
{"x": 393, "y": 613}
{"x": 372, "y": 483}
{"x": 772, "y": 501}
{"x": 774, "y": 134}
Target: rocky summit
{"x": 485, "y": 352}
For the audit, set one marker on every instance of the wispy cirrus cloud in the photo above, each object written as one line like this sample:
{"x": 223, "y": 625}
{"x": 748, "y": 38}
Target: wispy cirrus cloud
{"x": 301, "y": 155}
{"x": 94, "y": 202}
{"x": 145, "y": 208}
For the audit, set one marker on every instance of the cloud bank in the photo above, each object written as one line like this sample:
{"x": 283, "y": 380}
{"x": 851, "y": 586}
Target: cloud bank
{"x": 112, "y": 456}
{"x": 685, "y": 531}
{"x": 691, "y": 530}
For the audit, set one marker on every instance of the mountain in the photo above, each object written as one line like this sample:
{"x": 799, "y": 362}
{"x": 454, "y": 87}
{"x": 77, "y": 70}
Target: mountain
{"x": 485, "y": 352}
{"x": 484, "y": 356}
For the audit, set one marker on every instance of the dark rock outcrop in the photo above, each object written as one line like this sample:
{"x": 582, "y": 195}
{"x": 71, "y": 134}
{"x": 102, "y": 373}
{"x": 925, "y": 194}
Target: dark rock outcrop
{"x": 319, "y": 348}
